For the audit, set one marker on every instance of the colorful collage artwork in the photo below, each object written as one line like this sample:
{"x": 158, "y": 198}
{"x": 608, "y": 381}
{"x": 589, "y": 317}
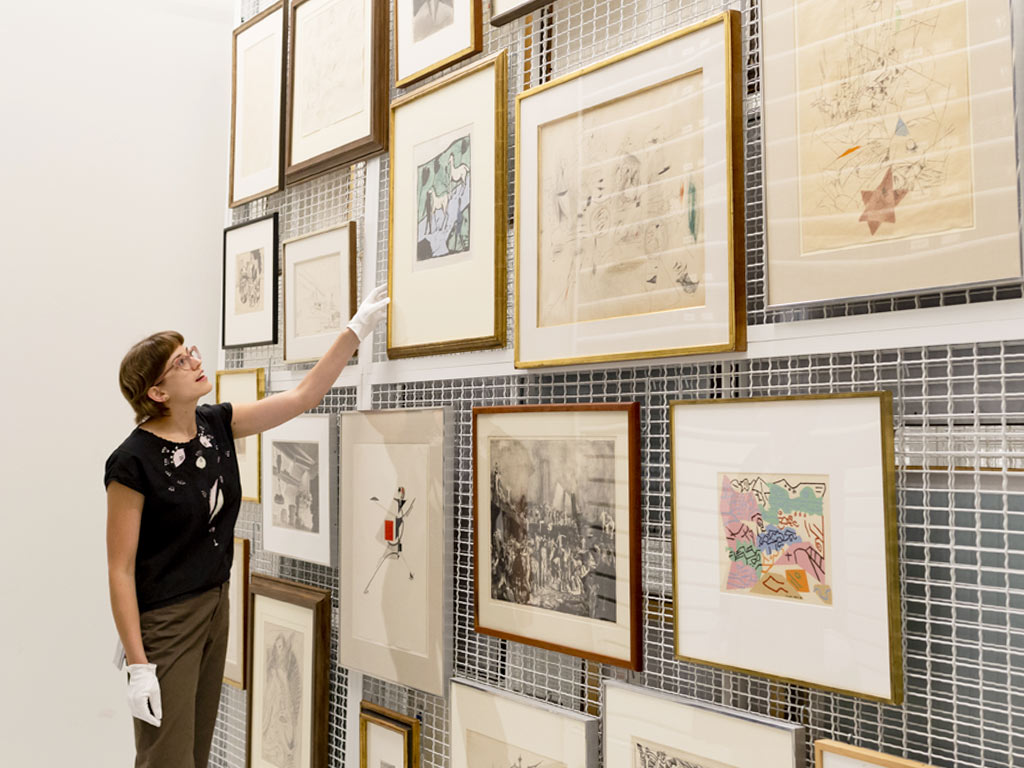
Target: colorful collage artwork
{"x": 774, "y": 536}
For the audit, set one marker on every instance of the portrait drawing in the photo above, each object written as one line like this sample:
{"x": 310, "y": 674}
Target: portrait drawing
{"x": 281, "y": 740}
{"x": 249, "y": 281}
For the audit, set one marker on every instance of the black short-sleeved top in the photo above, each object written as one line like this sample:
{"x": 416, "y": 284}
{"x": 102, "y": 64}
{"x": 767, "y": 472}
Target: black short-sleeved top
{"x": 192, "y": 493}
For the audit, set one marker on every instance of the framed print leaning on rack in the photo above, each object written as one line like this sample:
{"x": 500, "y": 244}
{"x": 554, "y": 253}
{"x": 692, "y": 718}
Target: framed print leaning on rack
{"x": 835, "y": 754}
{"x": 433, "y": 34}
{"x": 257, "y": 113}
{"x": 446, "y": 239}
{"x": 890, "y": 155}
{"x": 387, "y": 739}
{"x": 319, "y": 290}
{"x": 249, "y": 288}
{"x": 244, "y": 385}
{"x": 784, "y": 519}
{"x": 338, "y": 77}
{"x": 288, "y": 674}
{"x": 236, "y": 666}
{"x": 629, "y": 200}
{"x": 556, "y": 514}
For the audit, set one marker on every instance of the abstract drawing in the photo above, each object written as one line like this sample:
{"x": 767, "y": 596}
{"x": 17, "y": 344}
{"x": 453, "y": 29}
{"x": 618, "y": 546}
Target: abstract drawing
{"x": 773, "y": 533}
{"x": 485, "y": 752}
{"x": 281, "y": 743}
{"x": 391, "y": 532}
{"x": 443, "y": 195}
{"x": 620, "y": 206}
{"x": 249, "y": 281}
{"x": 431, "y": 16}
{"x": 884, "y": 120}
{"x": 553, "y": 524}
{"x": 318, "y": 295}
{"x": 296, "y": 486}
{"x": 648, "y": 754}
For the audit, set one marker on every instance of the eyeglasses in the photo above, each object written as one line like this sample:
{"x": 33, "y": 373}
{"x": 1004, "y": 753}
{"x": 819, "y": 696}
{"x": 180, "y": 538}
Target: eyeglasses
{"x": 182, "y": 363}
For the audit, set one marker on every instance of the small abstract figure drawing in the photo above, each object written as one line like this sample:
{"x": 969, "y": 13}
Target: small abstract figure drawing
{"x": 392, "y": 532}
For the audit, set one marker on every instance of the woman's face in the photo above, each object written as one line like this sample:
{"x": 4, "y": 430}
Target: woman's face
{"x": 184, "y": 378}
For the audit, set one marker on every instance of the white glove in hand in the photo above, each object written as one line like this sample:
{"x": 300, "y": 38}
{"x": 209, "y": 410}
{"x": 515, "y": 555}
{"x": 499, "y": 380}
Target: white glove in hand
{"x": 370, "y": 312}
{"x": 144, "y": 693}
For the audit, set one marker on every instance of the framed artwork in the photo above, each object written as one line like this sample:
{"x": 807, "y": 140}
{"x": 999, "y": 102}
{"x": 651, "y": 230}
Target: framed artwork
{"x": 629, "y": 193}
{"x": 395, "y": 547}
{"x": 338, "y": 72}
{"x": 249, "y": 295}
{"x": 300, "y": 462}
{"x": 651, "y": 729}
{"x": 492, "y": 727}
{"x": 446, "y": 240}
{"x": 288, "y": 674}
{"x": 319, "y": 291}
{"x": 387, "y": 739}
{"x": 431, "y": 34}
{"x": 835, "y": 754}
{"x": 557, "y": 527}
{"x": 895, "y": 173}
{"x": 235, "y": 667}
{"x": 244, "y": 385}
{"x": 784, "y": 515}
{"x": 257, "y": 118}
{"x": 504, "y": 11}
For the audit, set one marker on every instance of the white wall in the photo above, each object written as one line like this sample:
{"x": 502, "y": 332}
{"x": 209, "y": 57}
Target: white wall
{"x": 113, "y": 144}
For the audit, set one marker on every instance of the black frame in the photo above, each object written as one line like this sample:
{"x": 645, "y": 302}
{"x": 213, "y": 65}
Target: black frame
{"x": 224, "y": 285}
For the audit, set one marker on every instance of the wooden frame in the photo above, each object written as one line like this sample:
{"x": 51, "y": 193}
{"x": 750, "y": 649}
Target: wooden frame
{"x": 407, "y": 727}
{"x": 317, "y": 602}
{"x": 353, "y": 285}
{"x": 241, "y": 591}
{"x": 256, "y": 439}
{"x": 718, "y": 322}
{"x": 627, "y": 634}
{"x": 358, "y": 148}
{"x": 279, "y": 185}
{"x": 886, "y": 497}
{"x": 475, "y": 46}
{"x": 270, "y": 291}
{"x": 525, "y": 7}
{"x": 824, "y": 747}
{"x": 497, "y": 321}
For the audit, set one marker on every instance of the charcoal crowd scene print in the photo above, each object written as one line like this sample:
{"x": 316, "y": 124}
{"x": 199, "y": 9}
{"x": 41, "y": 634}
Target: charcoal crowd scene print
{"x": 651, "y": 755}
{"x": 553, "y": 524}
{"x": 774, "y": 536}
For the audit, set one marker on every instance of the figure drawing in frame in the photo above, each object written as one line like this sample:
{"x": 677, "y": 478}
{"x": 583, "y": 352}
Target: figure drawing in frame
{"x": 281, "y": 740}
{"x": 774, "y": 536}
{"x": 486, "y": 752}
{"x": 296, "y": 486}
{"x": 648, "y": 754}
{"x": 430, "y": 17}
{"x": 391, "y": 532}
{"x": 553, "y": 524}
{"x": 443, "y": 193}
{"x": 249, "y": 281}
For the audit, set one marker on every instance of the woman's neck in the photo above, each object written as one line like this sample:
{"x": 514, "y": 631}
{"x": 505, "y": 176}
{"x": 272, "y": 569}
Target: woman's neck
{"x": 178, "y": 426}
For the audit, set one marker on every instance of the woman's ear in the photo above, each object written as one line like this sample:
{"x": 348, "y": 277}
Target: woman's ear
{"x": 157, "y": 394}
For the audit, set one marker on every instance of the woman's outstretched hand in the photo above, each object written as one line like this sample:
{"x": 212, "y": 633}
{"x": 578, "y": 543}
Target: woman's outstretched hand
{"x": 373, "y": 309}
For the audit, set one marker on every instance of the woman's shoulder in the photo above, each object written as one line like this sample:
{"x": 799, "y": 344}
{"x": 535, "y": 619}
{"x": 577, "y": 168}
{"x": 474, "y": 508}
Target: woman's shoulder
{"x": 216, "y": 416}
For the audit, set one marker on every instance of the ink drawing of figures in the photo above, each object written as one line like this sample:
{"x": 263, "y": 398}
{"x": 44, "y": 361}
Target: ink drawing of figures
{"x": 296, "y": 486}
{"x": 774, "y": 536}
{"x": 486, "y": 752}
{"x": 621, "y": 207}
{"x": 249, "y": 281}
{"x": 281, "y": 742}
{"x": 443, "y": 194}
{"x": 553, "y": 524}
{"x": 650, "y": 755}
{"x": 318, "y": 299}
{"x": 430, "y": 17}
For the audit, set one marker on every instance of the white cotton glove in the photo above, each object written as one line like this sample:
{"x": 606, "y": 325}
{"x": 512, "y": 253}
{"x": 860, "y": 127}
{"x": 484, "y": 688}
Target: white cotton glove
{"x": 144, "y": 693}
{"x": 370, "y": 312}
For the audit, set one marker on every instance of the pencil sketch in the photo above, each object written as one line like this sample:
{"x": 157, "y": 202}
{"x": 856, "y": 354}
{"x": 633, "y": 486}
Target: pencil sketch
{"x": 648, "y": 754}
{"x": 330, "y": 78}
{"x": 553, "y": 524}
{"x": 485, "y": 752}
{"x": 620, "y": 206}
{"x": 884, "y": 121}
{"x": 262, "y": 67}
{"x": 391, "y": 532}
{"x": 296, "y": 486}
{"x": 249, "y": 281}
{"x": 317, "y": 295}
{"x": 281, "y": 742}
{"x": 443, "y": 195}
{"x": 430, "y": 17}
{"x": 774, "y": 536}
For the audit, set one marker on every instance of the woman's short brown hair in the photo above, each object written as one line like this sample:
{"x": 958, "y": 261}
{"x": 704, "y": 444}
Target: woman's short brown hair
{"x": 142, "y": 367}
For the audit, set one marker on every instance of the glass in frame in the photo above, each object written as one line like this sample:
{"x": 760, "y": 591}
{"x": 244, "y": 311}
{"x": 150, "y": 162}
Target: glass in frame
{"x": 387, "y": 739}
{"x": 433, "y": 34}
{"x": 249, "y": 287}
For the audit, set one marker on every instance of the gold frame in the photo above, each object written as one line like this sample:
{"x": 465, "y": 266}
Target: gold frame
{"x": 232, "y": 203}
{"x": 498, "y": 338}
{"x": 891, "y": 544}
{"x": 409, "y": 727}
{"x": 352, "y": 284}
{"x": 244, "y": 629}
{"x": 476, "y": 24}
{"x": 821, "y": 746}
{"x": 261, "y": 392}
{"x": 734, "y": 192}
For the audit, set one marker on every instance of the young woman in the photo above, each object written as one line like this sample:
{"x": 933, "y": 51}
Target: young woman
{"x": 173, "y": 494}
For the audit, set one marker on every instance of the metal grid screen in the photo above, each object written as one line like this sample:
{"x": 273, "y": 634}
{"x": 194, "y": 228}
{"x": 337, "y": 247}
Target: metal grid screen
{"x": 959, "y": 419}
